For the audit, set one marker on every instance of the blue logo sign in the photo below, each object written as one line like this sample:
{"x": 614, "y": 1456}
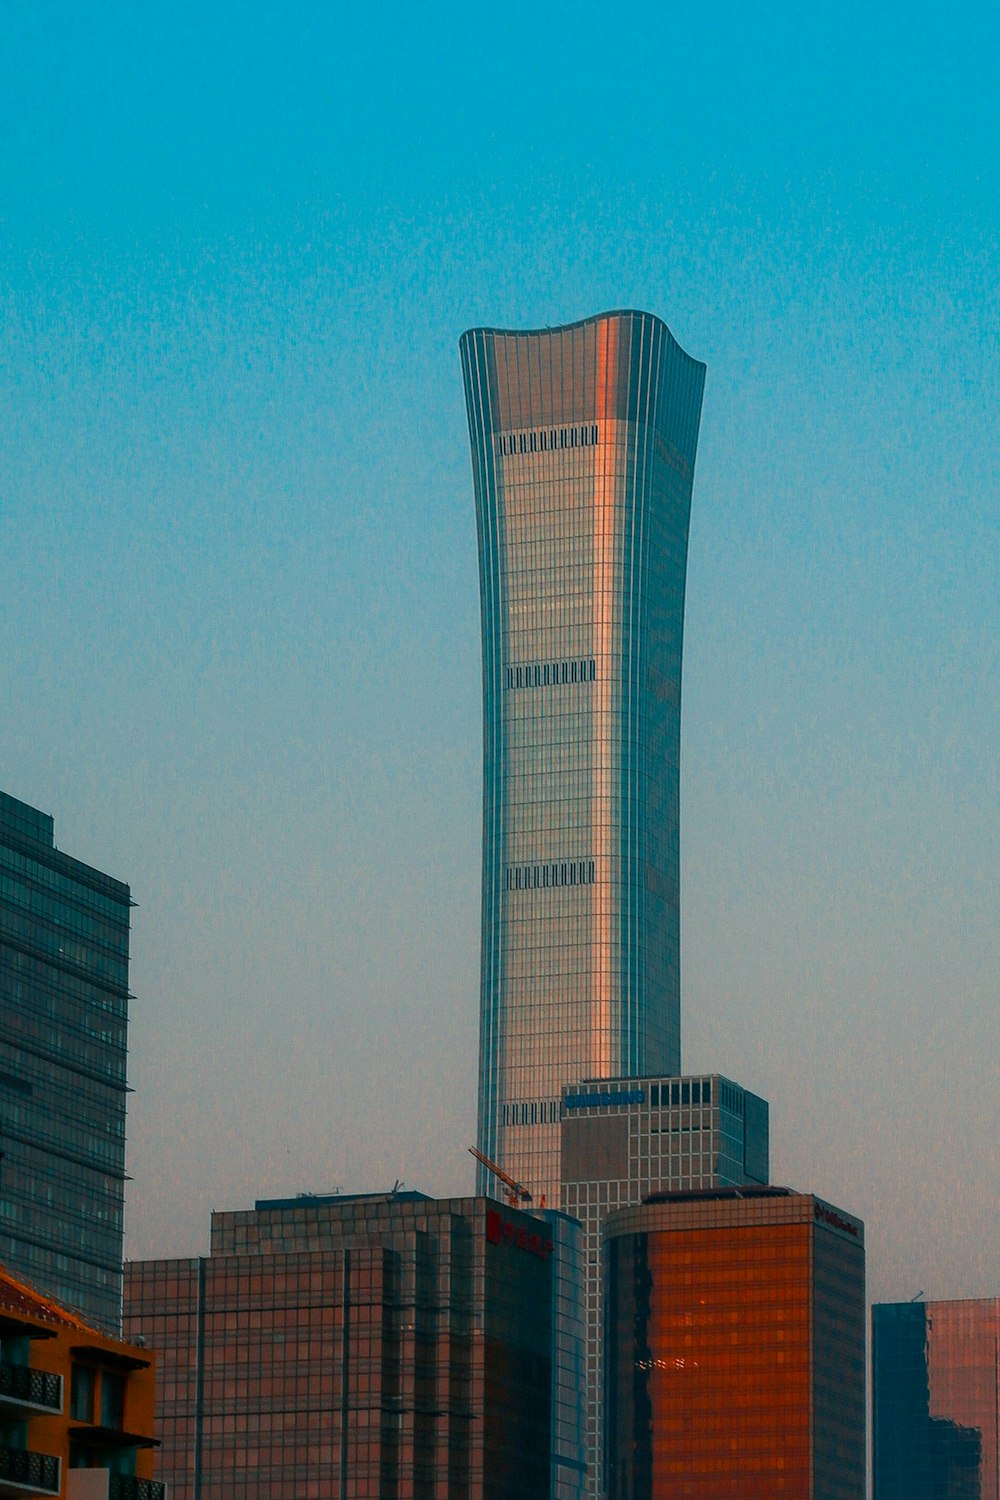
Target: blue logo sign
{"x": 597, "y": 1101}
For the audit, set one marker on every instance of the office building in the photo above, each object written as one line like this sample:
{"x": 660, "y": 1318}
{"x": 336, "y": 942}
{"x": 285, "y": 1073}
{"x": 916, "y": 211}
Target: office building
{"x": 626, "y": 1138}
{"x": 76, "y": 1405}
{"x": 583, "y": 448}
{"x": 64, "y": 935}
{"x": 735, "y": 1355}
{"x": 936, "y": 1400}
{"x": 379, "y": 1344}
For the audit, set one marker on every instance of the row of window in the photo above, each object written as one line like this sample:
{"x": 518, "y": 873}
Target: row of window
{"x": 551, "y": 673}
{"x": 695, "y": 1091}
{"x": 108, "y": 967}
{"x": 64, "y": 884}
{"x": 538, "y": 1112}
{"x": 59, "y": 910}
{"x": 57, "y": 984}
{"x": 543, "y": 876}
{"x": 732, "y": 1099}
{"x": 547, "y": 439}
{"x": 678, "y": 1092}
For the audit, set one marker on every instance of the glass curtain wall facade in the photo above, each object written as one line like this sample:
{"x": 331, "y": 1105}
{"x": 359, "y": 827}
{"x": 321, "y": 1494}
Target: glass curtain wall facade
{"x": 64, "y": 946}
{"x": 936, "y": 1400}
{"x": 627, "y": 1138}
{"x": 735, "y": 1356}
{"x": 583, "y": 448}
{"x": 369, "y": 1345}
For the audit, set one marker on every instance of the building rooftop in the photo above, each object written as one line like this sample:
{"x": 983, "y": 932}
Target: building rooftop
{"x": 310, "y": 1200}
{"x": 20, "y": 1300}
{"x": 695, "y": 1195}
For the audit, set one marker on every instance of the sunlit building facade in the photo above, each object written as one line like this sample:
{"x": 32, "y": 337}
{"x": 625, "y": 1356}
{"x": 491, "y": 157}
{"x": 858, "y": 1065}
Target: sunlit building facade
{"x": 583, "y": 448}
{"x": 64, "y": 953}
{"x": 735, "y": 1354}
{"x": 628, "y": 1137}
{"x": 366, "y": 1345}
{"x": 936, "y": 1400}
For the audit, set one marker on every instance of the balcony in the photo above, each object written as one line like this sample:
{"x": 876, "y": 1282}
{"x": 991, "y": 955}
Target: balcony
{"x": 24, "y": 1391}
{"x": 25, "y": 1473}
{"x": 125, "y": 1487}
{"x": 99, "y": 1484}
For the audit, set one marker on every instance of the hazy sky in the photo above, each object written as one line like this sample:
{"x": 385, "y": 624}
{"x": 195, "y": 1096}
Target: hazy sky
{"x": 238, "y": 582}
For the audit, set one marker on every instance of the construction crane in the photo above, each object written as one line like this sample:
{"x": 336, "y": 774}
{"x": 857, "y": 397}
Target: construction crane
{"x": 517, "y": 1193}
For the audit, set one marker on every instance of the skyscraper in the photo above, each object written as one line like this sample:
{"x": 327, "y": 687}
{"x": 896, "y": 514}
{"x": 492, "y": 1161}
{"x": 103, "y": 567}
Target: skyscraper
{"x": 583, "y": 448}
{"x": 936, "y": 1400}
{"x": 64, "y": 935}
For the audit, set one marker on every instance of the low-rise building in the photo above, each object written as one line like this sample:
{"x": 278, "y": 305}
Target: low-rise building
{"x": 359, "y": 1345}
{"x": 76, "y": 1405}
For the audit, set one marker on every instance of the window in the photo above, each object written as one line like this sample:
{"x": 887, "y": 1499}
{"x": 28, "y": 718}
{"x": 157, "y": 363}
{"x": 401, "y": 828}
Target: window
{"x": 541, "y": 877}
{"x": 112, "y": 1399}
{"x": 548, "y": 439}
{"x": 81, "y": 1394}
{"x": 551, "y": 674}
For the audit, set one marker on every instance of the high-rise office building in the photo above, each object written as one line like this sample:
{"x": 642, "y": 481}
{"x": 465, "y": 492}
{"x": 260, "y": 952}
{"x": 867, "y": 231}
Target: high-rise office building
{"x": 625, "y": 1139}
{"x": 583, "y": 449}
{"x": 64, "y": 936}
{"x": 367, "y": 1345}
{"x": 735, "y": 1355}
{"x": 936, "y": 1400}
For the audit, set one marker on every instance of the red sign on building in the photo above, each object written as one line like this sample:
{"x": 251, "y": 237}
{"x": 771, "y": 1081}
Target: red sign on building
{"x": 501, "y": 1231}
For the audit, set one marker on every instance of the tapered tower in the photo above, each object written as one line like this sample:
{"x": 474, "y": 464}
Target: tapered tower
{"x": 583, "y": 448}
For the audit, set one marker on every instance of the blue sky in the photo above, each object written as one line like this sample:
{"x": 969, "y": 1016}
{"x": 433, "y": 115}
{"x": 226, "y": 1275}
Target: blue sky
{"x": 238, "y": 593}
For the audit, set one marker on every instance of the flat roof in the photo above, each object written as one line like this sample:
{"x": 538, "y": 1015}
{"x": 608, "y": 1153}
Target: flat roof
{"x": 308, "y": 1200}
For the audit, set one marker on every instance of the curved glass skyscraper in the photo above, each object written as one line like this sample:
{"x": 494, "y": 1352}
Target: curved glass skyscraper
{"x": 583, "y": 448}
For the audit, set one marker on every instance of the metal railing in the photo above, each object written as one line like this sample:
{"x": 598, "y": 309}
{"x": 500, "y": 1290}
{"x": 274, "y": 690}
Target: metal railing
{"x": 33, "y": 1471}
{"x": 39, "y": 1387}
{"x": 127, "y": 1487}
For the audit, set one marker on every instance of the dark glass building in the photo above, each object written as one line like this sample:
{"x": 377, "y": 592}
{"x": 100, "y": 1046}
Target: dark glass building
{"x": 735, "y": 1348}
{"x": 936, "y": 1400}
{"x": 64, "y": 938}
{"x": 628, "y": 1137}
{"x": 381, "y": 1344}
{"x": 583, "y": 449}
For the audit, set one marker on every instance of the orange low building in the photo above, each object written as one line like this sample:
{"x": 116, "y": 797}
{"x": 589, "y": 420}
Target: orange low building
{"x": 76, "y": 1405}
